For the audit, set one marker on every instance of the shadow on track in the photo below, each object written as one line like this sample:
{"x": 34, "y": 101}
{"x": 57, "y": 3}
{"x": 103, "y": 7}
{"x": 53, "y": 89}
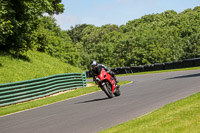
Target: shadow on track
{"x": 185, "y": 76}
{"x": 94, "y": 100}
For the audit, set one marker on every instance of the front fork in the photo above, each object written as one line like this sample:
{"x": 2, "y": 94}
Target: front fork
{"x": 101, "y": 84}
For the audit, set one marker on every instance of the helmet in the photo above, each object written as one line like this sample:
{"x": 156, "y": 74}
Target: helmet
{"x": 94, "y": 64}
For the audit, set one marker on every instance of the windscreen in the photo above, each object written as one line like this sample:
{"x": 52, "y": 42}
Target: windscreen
{"x": 99, "y": 69}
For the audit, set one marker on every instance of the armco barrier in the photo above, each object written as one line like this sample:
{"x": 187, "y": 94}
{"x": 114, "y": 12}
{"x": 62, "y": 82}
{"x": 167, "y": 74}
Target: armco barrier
{"x": 149, "y": 67}
{"x": 127, "y": 69}
{"x": 197, "y": 61}
{"x": 120, "y": 70}
{"x": 16, "y": 92}
{"x": 157, "y": 66}
{"x": 135, "y": 69}
{"x": 169, "y": 65}
{"x": 189, "y": 62}
{"x": 178, "y": 64}
{"x": 114, "y": 70}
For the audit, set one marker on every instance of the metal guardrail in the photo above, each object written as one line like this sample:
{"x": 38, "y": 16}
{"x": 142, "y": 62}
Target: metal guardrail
{"x": 157, "y": 66}
{"x": 16, "y": 92}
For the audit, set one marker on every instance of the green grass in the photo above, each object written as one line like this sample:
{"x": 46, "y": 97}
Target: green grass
{"x": 48, "y": 100}
{"x": 182, "y": 116}
{"x": 35, "y": 65}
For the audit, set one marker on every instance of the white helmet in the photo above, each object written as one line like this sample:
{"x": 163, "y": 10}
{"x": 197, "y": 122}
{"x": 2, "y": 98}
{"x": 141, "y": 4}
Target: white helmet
{"x": 94, "y": 64}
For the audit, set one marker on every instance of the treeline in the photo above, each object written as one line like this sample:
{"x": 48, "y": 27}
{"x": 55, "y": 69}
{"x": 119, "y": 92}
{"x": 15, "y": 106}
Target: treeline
{"x": 156, "y": 38}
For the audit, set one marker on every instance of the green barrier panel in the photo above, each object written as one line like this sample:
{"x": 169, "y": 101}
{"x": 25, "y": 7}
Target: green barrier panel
{"x": 16, "y": 92}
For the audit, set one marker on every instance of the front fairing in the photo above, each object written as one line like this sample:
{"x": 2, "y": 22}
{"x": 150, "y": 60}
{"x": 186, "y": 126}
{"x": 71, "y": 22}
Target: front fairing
{"x": 104, "y": 76}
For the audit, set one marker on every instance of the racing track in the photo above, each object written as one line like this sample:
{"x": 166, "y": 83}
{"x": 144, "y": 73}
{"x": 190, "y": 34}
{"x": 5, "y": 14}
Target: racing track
{"x": 94, "y": 112}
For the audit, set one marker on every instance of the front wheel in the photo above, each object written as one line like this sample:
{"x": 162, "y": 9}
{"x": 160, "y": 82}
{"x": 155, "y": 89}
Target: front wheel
{"x": 108, "y": 90}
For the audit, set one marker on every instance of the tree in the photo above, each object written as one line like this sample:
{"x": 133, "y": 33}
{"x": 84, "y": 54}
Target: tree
{"x": 76, "y": 33}
{"x": 52, "y": 40}
{"x": 22, "y": 17}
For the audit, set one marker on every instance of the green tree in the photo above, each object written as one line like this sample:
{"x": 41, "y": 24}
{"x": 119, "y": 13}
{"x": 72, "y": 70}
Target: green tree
{"x": 52, "y": 40}
{"x": 76, "y": 33}
{"x": 22, "y": 17}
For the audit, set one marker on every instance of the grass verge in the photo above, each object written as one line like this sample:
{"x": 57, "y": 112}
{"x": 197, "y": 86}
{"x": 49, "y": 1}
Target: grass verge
{"x": 178, "y": 117}
{"x": 51, "y": 99}
{"x": 34, "y": 65}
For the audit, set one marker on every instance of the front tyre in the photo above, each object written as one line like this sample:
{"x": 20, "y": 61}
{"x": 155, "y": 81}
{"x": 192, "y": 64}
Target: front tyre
{"x": 108, "y": 90}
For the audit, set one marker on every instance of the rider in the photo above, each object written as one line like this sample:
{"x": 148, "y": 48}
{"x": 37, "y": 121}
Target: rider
{"x": 95, "y": 66}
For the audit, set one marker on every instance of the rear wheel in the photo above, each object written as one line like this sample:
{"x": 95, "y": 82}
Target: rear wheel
{"x": 117, "y": 92}
{"x": 107, "y": 89}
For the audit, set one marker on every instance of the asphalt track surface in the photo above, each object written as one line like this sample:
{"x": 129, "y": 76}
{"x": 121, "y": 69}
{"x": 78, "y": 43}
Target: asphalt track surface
{"x": 94, "y": 112}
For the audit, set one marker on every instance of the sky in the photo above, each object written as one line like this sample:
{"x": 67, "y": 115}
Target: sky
{"x": 119, "y": 12}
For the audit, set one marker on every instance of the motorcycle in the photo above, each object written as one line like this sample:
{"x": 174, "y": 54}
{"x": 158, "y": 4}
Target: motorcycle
{"x": 107, "y": 83}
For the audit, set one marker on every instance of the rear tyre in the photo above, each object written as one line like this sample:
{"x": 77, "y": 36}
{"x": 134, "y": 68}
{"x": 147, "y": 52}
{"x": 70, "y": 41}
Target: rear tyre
{"x": 117, "y": 92}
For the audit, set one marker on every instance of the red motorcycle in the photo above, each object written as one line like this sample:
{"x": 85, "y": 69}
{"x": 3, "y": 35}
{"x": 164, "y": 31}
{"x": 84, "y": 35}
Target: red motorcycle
{"x": 106, "y": 82}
